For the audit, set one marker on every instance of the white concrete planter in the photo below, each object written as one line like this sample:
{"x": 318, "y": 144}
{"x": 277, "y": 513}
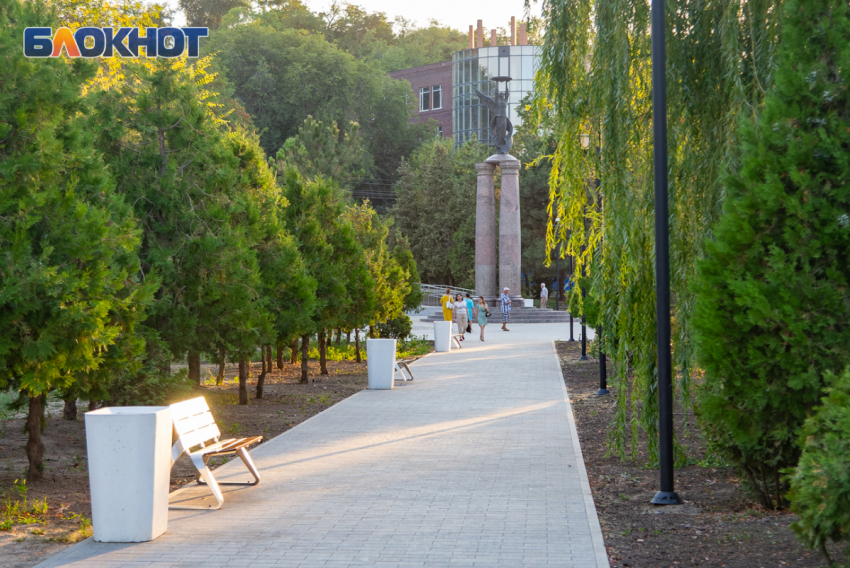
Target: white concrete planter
{"x": 129, "y": 454}
{"x": 380, "y": 360}
{"x": 529, "y": 303}
{"x": 442, "y": 336}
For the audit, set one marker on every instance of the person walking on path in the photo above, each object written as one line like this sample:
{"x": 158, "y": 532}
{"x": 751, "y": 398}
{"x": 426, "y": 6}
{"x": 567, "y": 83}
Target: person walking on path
{"x": 470, "y": 309}
{"x": 446, "y": 302}
{"x": 505, "y": 302}
{"x": 544, "y": 296}
{"x": 461, "y": 316}
{"x": 482, "y": 313}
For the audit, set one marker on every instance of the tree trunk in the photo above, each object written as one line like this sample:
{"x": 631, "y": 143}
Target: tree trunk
{"x": 348, "y": 336}
{"x": 293, "y": 357}
{"x": 357, "y": 345}
{"x": 92, "y": 404}
{"x": 338, "y": 336}
{"x": 279, "y": 356}
{"x": 70, "y": 411}
{"x": 35, "y": 447}
{"x": 305, "y": 356}
{"x": 323, "y": 360}
{"x": 372, "y": 331}
{"x": 195, "y": 367}
{"x": 261, "y": 380}
{"x": 243, "y": 380}
{"x": 221, "y": 365}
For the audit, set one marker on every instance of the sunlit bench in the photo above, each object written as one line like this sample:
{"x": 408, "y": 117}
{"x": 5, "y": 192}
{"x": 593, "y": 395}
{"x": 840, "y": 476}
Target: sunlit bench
{"x": 198, "y": 436}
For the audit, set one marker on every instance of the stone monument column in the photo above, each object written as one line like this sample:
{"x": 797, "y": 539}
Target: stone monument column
{"x": 485, "y": 232}
{"x": 510, "y": 229}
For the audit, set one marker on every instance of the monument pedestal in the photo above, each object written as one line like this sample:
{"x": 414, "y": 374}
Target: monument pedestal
{"x": 510, "y": 232}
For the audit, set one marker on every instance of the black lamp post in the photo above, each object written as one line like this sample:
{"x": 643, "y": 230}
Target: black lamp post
{"x": 667, "y": 494}
{"x": 585, "y": 144}
{"x": 603, "y": 369}
{"x": 558, "y": 265}
{"x": 571, "y": 290}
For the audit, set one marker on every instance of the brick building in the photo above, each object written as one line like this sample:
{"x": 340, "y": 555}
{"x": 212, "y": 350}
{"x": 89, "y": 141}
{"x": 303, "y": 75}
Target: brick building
{"x": 432, "y": 85}
{"x": 446, "y": 91}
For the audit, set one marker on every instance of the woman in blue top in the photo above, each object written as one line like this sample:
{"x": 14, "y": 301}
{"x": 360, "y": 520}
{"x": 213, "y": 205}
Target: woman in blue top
{"x": 482, "y": 314}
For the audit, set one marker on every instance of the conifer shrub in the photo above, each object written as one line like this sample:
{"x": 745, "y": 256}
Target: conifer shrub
{"x": 396, "y": 328}
{"x": 820, "y": 484}
{"x": 771, "y": 316}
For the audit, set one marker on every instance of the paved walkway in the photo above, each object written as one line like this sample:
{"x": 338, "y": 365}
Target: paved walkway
{"x": 475, "y": 463}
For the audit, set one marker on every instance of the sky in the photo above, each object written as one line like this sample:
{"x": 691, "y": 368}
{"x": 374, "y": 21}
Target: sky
{"x": 458, "y": 14}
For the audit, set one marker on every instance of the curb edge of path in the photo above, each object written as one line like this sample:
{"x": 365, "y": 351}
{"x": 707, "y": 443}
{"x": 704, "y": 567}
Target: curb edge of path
{"x": 58, "y": 559}
{"x": 590, "y": 507}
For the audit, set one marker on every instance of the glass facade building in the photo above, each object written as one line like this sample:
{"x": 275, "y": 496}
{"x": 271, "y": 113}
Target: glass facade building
{"x": 474, "y": 69}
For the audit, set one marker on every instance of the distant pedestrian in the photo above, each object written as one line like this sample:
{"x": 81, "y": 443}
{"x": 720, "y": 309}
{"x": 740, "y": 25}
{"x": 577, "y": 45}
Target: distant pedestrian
{"x": 460, "y": 315}
{"x": 446, "y": 302}
{"x": 505, "y": 301}
{"x": 482, "y": 313}
{"x": 544, "y": 296}
{"x": 470, "y": 309}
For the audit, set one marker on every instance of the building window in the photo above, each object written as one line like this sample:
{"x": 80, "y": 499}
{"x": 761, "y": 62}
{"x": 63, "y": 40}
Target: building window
{"x": 437, "y": 97}
{"x": 424, "y": 99}
{"x": 439, "y": 131}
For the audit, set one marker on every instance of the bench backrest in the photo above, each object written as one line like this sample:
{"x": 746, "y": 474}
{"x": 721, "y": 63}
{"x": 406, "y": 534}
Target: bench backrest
{"x": 194, "y": 422}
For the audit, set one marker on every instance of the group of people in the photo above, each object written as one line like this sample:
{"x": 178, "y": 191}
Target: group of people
{"x": 461, "y": 310}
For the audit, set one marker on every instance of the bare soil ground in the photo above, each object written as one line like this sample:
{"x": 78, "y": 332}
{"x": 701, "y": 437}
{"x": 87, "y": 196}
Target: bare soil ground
{"x": 719, "y": 525}
{"x": 285, "y": 404}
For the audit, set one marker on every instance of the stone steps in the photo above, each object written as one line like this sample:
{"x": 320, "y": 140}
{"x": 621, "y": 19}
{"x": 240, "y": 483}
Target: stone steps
{"x": 520, "y": 315}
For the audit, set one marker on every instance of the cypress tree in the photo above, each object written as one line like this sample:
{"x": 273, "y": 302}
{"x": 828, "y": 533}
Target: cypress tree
{"x": 200, "y": 224}
{"x": 69, "y": 297}
{"x": 772, "y": 296}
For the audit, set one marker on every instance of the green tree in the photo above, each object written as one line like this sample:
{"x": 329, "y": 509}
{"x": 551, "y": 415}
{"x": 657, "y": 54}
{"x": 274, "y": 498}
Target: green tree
{"x": 331, "y": 255}
{"x": 209, "y": 13}
{"x": 820, "y": 485}
{"x": 288, "y": 292}
{"x": 68, "y": 287}
{"x": 283, "y": 75}
{"x": 199, "y": 222}
{"x": 324, "y": 150}
{"x": 391, "y": 281}
{"x": 404, "y": 258}
{"x": 435, "y": 210}
{"x": 771, "y": 316}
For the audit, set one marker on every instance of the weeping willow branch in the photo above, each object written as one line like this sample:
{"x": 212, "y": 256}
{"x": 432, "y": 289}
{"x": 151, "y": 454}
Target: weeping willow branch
{"x": 595, "y": 79}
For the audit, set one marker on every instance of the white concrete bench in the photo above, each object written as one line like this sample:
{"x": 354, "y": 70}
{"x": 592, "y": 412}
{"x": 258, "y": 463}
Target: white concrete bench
{"x": 196, "y": 428}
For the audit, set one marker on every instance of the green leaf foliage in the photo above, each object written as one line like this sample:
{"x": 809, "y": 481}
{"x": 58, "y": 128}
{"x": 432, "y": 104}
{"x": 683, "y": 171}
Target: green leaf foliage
{"x": 284, "y": 75}
{"x": 820, "y": 484}
{"x": 771, "y": 316}
{"x": 332, "y": 257}
{"x": 68, "y": 282}
{"x": 391, "y": 281}
{"x": 324, "y": 150}
{"x": 197, "y": 195}
{"x": 435, "y": 210}
{"x": 595, "y": 79}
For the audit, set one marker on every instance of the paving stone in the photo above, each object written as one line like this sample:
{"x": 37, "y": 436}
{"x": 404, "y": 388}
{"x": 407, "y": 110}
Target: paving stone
{"x": 475, "y": 463}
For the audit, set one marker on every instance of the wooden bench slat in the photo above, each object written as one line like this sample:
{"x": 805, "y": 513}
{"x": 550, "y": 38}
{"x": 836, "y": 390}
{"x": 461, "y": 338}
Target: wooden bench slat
{"x": 229, "y": 446}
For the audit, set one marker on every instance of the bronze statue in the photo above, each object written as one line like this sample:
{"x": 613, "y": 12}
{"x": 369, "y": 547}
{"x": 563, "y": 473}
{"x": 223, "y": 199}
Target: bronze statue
{"x": 501, "y": 129}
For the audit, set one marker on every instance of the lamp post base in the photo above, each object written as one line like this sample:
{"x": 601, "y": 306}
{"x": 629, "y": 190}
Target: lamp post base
{"x": 667, "y": 498}
{"x": 583, "y": 358}
{"x": 603, "y": 391}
